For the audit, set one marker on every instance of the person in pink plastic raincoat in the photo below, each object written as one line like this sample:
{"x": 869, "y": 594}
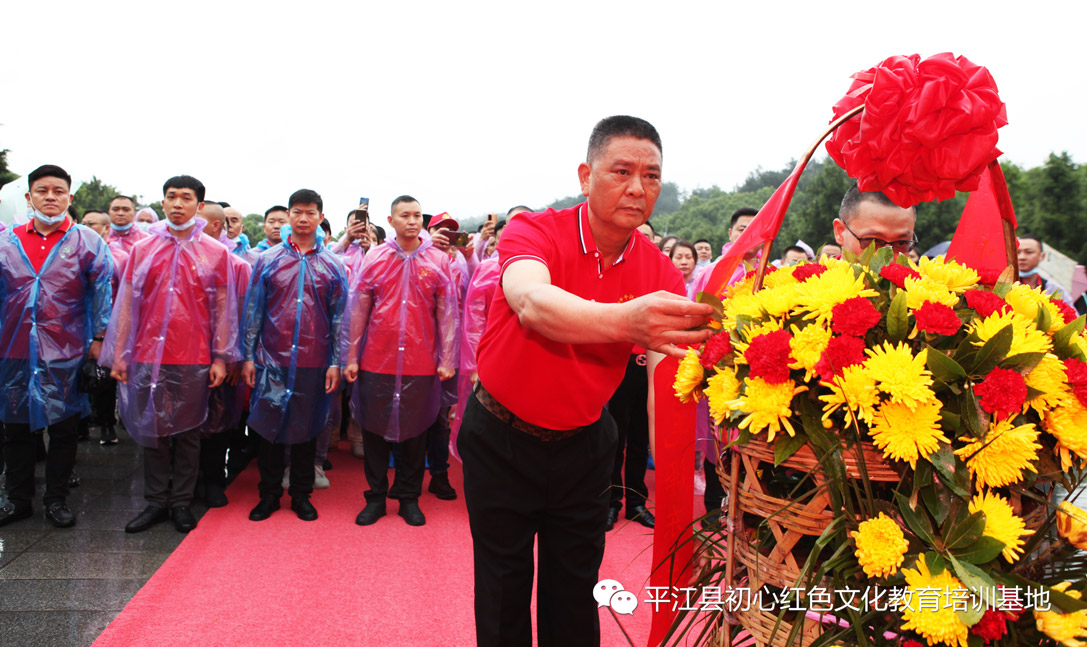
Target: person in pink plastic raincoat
{"x": 401, "y": 327}
{"x": 124, "y": 232}
{"x": 173, "y": 331}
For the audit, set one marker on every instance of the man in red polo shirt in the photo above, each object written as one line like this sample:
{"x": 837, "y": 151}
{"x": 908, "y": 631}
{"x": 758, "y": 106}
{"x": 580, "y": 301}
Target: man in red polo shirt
{"x": 54, "y": 307}
{"x": 578, "y": 290}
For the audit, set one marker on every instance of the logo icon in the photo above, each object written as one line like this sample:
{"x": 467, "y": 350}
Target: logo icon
{"x": 610, "y": 593}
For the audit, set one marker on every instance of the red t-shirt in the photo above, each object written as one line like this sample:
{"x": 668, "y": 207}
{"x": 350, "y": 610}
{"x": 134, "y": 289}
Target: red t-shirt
{"x": 557, "y": 385}
{"x": 36, "y": 246}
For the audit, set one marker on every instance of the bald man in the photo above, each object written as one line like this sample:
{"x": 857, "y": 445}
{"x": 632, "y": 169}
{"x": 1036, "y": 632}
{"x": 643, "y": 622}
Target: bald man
{"x": 870, "y": 217}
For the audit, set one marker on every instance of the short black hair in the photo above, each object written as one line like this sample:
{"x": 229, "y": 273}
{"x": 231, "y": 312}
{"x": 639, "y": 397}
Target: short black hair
{"x": 379, "y": 231}
{"x": 125, "y": 197}
{"x": 620, "y": 126}
{"x": 854, "y": 197}
{"x": 400, "y": 199}
{"x": 498, "y": 226}
{"x": 224, "y": 204}
{"x": 740, "y": 213}
{"x": 519, "y": 207}
{"x": 275, "y": 207}
{"x": 306, "y": 196}
{"x": 185, "y": 182}
{"x": 1041, "y": 247}
{"x": 703, "y": 240}
{"x": 794, "y": 248}
{"x": 48, "y": 170}
{"x": 650, "y": 225}
{"x": 327, "y": 227}
{"x": 73, "y": 212}
{"x": 683, "y": 243}
{"x": 665, "y": 241}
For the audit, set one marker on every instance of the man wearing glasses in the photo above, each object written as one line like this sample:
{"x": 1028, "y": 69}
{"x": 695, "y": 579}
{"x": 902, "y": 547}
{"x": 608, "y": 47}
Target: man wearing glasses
{"x": 871, "y": 217}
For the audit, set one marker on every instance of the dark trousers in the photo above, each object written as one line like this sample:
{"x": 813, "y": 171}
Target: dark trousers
{"x": 628, "y": 407}
{"x": 242, "y": 446}
{"x": 714, "y": 491}
{"x": 213, "y": 458}
{"x": 104, "y": 401}
{"x": 272, "y": 460}
{"x": 518, "y": 489}
{"x": 21, "y": 452}
{"x": 409, "y": 467}
{"x": 437, "y": 440}
{"x": 170, "y": 469}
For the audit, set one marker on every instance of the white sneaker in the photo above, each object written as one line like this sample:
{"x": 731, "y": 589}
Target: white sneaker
{"x": 320, "y": 481}
{"x": 286, "y": 478}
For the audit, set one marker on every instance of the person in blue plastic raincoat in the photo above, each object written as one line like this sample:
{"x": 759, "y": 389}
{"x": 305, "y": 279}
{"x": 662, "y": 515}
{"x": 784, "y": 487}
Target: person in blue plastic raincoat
{"x": 293, "y": 310}
{"x": 54, "y": 307}
{"x": 402, "y": 330}
{"x": 236, "y": 239}
{"x": 274, "y": 220}
{"x": 173, "y": 331}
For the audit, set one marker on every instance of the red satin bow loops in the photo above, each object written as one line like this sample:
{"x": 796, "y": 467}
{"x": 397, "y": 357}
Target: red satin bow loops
{"x": 928, "y": 128}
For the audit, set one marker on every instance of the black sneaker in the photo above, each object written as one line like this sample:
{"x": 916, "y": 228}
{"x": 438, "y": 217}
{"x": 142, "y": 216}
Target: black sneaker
{"x": 303, "y": 508}
{"x": 109, "y": 436}
{"x": 440, "y": 487}
{"x": 59, "y": 515}
{"x": 373, "y": 511}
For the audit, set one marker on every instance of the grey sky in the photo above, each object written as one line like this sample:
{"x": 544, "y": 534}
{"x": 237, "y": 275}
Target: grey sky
{"x": 477, "y": 106}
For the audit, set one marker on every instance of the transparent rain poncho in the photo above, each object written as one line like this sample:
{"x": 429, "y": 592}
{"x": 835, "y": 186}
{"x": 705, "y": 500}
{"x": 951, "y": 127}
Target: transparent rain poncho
{"x": 176, "y": 312}
{"x": 401, "y": 327}
{"x": 120, "y": 259}
{"x": 47, "y": 321}
{"x": 473, "y": 323}
{"x": 126, "y": 240}
{"x": 352, "y": 257}
{"x": 226, "y": 402}
{"x": 293, "y": 312}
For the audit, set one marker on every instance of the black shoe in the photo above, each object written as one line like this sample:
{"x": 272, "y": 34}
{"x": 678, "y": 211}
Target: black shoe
{"x": 303, "y": 508}
{"x": 264, "y": 509}
{"x": 327, "y": 465}
{"x": 150, "y": 516}
{"x": 641, "y": 515}
{"x": 109, "y": 436}
{"x": 214, "y": 496}
{"x": 11, "y": 513}
{"x": 73, "y": 480}
{"x": 411, "y": 513}
{"x": 613, "y": 516}
{"x": 440, "y": 487}
{"x": 59, "y": 515}
{"x": 84, "y": 430}
{"x": 183, "y": 519}
{"x": 373, "y": 511}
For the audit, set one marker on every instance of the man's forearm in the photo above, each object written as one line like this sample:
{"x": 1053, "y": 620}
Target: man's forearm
{"x": 561, "y": 316}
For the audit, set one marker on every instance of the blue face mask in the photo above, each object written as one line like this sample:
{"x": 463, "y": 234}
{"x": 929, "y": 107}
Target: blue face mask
{"x": 182, "y": 227}
{"x": 48, "y": 221}
{"x": 121, "y": 227}
{"x": 1028, "y": 274}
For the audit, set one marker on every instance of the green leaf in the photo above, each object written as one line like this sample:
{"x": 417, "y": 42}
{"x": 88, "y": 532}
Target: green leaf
{"x": 786, "y": 447}
{"x": 981, "y": 552}
{"x": 936, "y": 563}
{"x": 1022, "y": 361}
{"x": 882, "y": 258}
{"x": 867, "y": 254}
{"x": 970, "y": 413}
{"x": 979, "y": 583}
{"x": 950, "y": 421}
{"x": 992, "y": 351}
{"x": 711, "y": 298}
{"x": 943, "y": 367}
{"x": 849, "y": 256}
{"x": 966, "y": 532}
{"x": 1002, "y": 289}
{"x": 897, "y": 318}
{"x": 1043, "y": 320}
{"x": 953, "y": 472}
{"x": 917, "y": 520}
{"x": 936, "y": 500}
{"x": 1062, "y": 341}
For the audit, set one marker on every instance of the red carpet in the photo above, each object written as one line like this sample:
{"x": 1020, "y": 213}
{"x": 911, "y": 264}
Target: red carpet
{"x": 234, "y": 582}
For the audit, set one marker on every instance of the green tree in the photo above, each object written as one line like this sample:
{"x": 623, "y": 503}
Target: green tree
{"x": 95, "y": 194}
{"x": 6, "y": 174}
{"x": 253, "y": 226}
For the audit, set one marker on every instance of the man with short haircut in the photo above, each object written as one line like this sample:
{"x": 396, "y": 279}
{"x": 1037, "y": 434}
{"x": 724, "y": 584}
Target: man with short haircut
{"x": 792, "y": 255}
{"x": 293, "y": 312}
{"x": 97, "y": 221}
{"x": 274, "y": 219}
{"x": 578, "y": 290}
{"x": 124, "y": 233}
{"x": 829, "y": 250}
{"x": 173, "y": 331}
{"x": 870, "y": 217}
{"x": 704, "y": 249}
{"x": 1031, "y": 253}
{"x": 54, "y": 307}
{"x": 738, "y": 223}
{"x": 402, "y": 328}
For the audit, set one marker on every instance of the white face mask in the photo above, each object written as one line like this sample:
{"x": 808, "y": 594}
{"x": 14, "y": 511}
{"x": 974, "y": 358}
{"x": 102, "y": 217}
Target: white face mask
{"x": 181, "y": 227}
{"x": 48, "y": 221}
{"x": 142, "y": 225}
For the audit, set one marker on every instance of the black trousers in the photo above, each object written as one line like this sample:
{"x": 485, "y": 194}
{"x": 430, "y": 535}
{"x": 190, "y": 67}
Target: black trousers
{"x": 104, "y": 401}
{"x": 170, "y": 469}
{"x": 242, "y": 446}
{"x": 21, "y": 452}
{"x": 409, "y": 467}
{"x": 518, "y": 489}
{"x": 628, "y": 407}
{"x": 271, "y": 461}
{"x": 437, "y": 438}
{"x": 213, "y": 458}
{"x": 714, "y": 490}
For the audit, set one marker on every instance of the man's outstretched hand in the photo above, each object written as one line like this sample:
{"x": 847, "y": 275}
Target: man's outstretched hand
{"x": 662, "y": 321}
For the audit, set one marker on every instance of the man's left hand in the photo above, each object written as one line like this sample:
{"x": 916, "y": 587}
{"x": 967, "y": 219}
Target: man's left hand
{"x": 332, "y": 378}
{"x": 95, "y": 349}
{"x": 445, "y": 373}
{"x": 217, "y": 373}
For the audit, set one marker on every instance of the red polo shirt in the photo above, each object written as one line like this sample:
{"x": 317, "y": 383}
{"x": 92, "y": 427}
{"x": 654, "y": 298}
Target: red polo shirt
{"x": 547, "y": 383}
{"x": 36, "y": 246}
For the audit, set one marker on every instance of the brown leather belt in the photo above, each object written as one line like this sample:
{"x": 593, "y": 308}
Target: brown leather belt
{"x": 505, "y": 415}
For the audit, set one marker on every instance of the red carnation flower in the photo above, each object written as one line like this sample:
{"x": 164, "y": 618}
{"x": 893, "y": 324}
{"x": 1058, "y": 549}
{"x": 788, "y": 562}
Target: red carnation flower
{"x": 985, "y": 303}
{"x": 716, "y": 347}
{"x": 989, "y": 276}
{"x": 768, "y": 356}
{"x": 992, "y": 626}
{"x": 937, "y": 318}
{"x": 854, "y": 317}
{"x": 1002, "y": 392}
{"x": 1077, "y": 378}
{"x": 897, "y": 274}
{"x": 912, "y": 643}
{"x": 807, "y": 270}
{"x": 1068, "y": 313}
{"x": 840, "y": 353}
{"x": 928, "y": 127}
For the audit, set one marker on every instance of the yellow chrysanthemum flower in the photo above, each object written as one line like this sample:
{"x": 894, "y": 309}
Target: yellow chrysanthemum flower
{"x": 1051, "y": 378}
{"x": 1072, "y": 524}
{"x": 807, "y": 346}
{"x": 1026, "y": 338}
{"x": 722, "y": 389}
{"x": 742, "y": 303}
{"x": 855, "y": 390}
{"x": 905, "y": 434}
{"x": 881, "y": 546}
{"x": 1000, "y": 458}
{"x": 768, "y": 406}
{"x": 1001, "y": 523}
{"x": 782, "y": 277}
{"x": 920, "y": 291}
{"x": 930, "y": 606}
{"x": 779, "y": 301}
{"x": 1068, "y": 423}
{"x": 1065, "y": 628}
{"x": 954, "y": 276}
{"x": 689, "y": 377}
{"x": 819, "y": 294}
{"x": 741, "y": 342}
{"x": 900, "y": 374}
{"x": 1025, "y": 301}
